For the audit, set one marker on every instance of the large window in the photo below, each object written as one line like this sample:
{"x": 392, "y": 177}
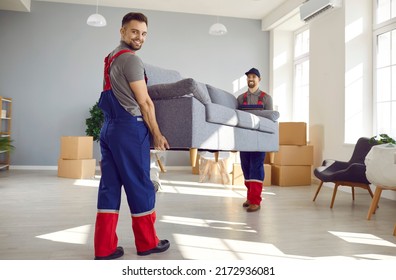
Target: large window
{"x": 386, "y": 10}
{"x": 385, "y": 70}
{"x": 301, "y": 77}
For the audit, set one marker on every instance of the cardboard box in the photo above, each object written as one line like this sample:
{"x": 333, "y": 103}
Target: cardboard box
{"x": 286, "y": 175}
{"x": 76, "y": 168}
{"x": 238, "y": 179}
{"x": 269, "y": 157}
{"x": 294, "y": 155}
{"x": 293, "y": 133}
{"x": 76, "y": 147}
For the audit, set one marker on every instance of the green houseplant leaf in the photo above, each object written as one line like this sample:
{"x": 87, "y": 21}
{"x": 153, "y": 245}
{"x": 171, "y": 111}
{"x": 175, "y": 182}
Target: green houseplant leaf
{"x": 94, "y": 122}
{"x": 5, "y": 144}
{"x": 382, "y": 139}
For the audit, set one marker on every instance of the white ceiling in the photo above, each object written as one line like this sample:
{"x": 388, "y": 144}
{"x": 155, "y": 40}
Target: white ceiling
{"x": 251, "y": 9}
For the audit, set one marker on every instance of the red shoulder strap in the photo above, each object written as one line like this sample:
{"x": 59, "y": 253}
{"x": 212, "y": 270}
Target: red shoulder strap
{"x": 107, "y": 62}
{"x": 260, "y": 99}
{"x": 245, "y": 98}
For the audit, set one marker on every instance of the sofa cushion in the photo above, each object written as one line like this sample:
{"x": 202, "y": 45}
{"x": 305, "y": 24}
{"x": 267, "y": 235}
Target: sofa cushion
{"x": 269, "y": 114}
{"x": 247, "y": 120}
{"x": 185, "y": 87}
{"x": 222, "y": 97}
{"x": 216, "y": 113}
{"x": 158, "y": 75}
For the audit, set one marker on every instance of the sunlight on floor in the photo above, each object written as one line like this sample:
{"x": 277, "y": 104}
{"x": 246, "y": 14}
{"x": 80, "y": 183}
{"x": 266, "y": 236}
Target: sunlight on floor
{"x": 208, "y": 223}
{"x": 362, "y": 238}
{"x": 77, "y": 235}
{"x": 219, "y": 192}
{"x": 86, "y": 183}
{"x": 198, "y": 184}
{"x": 376, "y": 257}
{"x": 204, "y": 189}
{"x": 209, "y": 248}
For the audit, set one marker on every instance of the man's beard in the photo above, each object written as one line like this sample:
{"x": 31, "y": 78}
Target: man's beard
{"x": 251, "y": 84}
{"x": 134, "y": 47}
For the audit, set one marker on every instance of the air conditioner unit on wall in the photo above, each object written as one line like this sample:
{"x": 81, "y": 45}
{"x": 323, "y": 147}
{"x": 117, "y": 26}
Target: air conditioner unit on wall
{"x": 311, "y": 8}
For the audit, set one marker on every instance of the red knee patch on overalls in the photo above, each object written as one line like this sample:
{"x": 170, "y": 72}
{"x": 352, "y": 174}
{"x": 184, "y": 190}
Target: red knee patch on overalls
{"x": 144, "y": 231}
{"x": 254, "y": 194}
{"x": 247, "y": 184}
{"x": 105, "y": 240}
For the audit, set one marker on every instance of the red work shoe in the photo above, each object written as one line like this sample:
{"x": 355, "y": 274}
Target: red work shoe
{"x": 162, "y": 246}
{"x": 119, "y": 252}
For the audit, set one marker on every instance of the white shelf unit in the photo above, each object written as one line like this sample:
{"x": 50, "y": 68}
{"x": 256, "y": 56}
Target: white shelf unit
{"x": 5, "y": 129}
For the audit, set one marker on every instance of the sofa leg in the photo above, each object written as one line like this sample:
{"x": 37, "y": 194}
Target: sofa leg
{"x": 193, "y": 156}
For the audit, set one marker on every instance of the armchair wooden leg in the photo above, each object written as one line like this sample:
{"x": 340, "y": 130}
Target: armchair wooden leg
{"x": 318, "y": 190}
{"x": 394, "y": 231}
{"x": 374, "y": 202}
{"x": 370, "y": 192}
{"x": 353, "y": 193}
{"x": 334, "y": 195}
{"x": 193, "y": 156}
{"x": 161, "y": 166}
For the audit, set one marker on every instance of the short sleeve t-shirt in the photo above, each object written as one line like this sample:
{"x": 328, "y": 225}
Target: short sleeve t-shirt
{"x": 125, "y": 69}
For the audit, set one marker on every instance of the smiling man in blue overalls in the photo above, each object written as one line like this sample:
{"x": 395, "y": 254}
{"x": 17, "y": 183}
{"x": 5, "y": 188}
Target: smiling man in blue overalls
{"x": 252, "y": 163}
{"x": 124, "y": 140}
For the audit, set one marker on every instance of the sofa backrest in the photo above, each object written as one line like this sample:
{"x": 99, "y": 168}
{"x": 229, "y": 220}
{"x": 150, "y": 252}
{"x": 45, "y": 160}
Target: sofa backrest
{"x": 222, "y": 97}
{"x": 157, "y": 75}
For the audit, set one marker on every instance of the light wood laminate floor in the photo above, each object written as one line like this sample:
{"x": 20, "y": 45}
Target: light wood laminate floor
{"x": 43, "y": 217}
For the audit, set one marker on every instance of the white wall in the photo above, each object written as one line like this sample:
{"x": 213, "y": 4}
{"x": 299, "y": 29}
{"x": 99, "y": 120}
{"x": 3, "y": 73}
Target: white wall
{"x": 281, "y": 59}
{"x": 327, "y": 87}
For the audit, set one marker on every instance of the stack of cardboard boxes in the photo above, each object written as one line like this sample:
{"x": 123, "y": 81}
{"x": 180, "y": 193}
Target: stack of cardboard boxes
{"x": 292, "y": 164}
{"x": 76, "y": 160}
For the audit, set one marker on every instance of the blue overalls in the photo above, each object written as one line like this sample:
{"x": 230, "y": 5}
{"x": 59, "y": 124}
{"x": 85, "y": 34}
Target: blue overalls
{"x": 125, "y": 148}
{"x": 252, "y": 163}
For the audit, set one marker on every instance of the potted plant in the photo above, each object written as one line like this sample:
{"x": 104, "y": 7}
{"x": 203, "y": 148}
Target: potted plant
{"x": 5, "y": 144}
{"x": 382, "y": 139}
{"x": 94, "y": 122}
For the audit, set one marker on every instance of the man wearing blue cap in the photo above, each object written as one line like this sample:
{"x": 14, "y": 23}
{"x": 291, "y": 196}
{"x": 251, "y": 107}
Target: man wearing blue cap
{"x": 253, "y": 162}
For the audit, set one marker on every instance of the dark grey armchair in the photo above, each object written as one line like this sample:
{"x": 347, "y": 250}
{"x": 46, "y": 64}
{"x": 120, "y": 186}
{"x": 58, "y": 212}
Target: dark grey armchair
{"x": 351, "y": 173}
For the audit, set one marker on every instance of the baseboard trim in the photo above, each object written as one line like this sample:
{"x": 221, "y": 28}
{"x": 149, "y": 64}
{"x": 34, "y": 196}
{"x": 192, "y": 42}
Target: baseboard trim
{"x": 51, "y": 167}
{"x": 33, "y": 167}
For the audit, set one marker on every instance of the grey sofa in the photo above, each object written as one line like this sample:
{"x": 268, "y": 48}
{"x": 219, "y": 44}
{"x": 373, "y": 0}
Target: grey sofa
{"x": 194, "y": 115}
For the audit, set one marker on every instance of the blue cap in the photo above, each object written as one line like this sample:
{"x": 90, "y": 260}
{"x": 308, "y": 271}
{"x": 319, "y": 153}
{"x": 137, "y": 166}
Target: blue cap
{"x": 253, "y": 71}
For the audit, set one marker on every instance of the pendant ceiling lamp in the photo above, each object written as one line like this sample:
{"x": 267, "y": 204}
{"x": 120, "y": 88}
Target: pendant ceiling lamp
{"x": 218, "y": 29}
{"x": 96, "y": 19}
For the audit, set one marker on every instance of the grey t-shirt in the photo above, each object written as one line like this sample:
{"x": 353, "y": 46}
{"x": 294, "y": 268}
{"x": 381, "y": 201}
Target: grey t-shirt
{"x": 252, "y": 99}
{"x": 125, "y": 69}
